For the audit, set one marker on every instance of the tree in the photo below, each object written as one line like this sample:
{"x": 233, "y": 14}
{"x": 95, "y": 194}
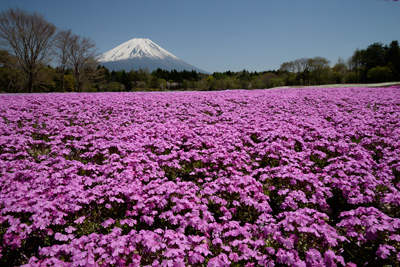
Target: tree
{"x": 393, "y": 59}
{"x": 143, "y": 76}
{"x": 28, "y": 37}
{"x": 81, "y": 59}
{"x": 268, "y": 80}
{"x": 301, "y": 67}
{"x": 288, "y": 70}
{"x": 46, "y": 80}
{"x": 339, "y": 71}
{"x": 374, "y": 56}
{"x": 154, "y": 82}
{"x": 318, "y": 67}
{"x": 379, "y": 74}
{"x": 10, "y": 75}
{"x": 61, "y": 43}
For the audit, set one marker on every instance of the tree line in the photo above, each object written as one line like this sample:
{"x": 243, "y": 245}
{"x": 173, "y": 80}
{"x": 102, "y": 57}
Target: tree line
{"x": 377, "y": 63}
{"x": 36, "y": 57}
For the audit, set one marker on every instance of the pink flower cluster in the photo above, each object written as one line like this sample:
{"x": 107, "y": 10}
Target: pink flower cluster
{"x": 292, "y": 177}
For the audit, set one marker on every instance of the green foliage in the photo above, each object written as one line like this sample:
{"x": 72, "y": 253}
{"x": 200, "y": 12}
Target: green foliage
{"x": 379, "y": 74}
{"x": 69, "y": 83}
{"x": 378, "y": 62}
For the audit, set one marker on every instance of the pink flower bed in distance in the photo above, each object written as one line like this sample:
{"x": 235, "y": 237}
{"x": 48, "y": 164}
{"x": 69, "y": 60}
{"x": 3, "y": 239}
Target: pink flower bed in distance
{"x": 289, "y": 177}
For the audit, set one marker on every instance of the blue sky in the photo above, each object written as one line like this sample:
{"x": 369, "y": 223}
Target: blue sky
{"x": 221, "y": 35}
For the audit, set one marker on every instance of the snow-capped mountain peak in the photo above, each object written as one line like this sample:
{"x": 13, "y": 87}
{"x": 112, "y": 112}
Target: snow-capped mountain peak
{"x": 136, "y": 48}
{"x": 140, "y": 53}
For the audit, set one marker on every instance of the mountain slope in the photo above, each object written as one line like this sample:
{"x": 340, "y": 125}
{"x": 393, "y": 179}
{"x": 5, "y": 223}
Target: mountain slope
{"x": 142, "y": 53}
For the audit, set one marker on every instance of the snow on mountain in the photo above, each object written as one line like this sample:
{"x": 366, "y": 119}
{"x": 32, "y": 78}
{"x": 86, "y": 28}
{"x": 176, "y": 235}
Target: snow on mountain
{"x": 142, "y": 53}
{"x": 136, "y": 48}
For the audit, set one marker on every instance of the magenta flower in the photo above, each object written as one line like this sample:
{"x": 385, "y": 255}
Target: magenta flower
{"x": 384, "y": 251}
{"x": 296, "y": 177}
{"x": 108, "y": 222}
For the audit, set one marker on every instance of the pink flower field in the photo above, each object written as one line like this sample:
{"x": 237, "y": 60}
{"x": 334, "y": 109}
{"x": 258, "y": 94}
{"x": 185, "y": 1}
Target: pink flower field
{"x": 281, "y": 177}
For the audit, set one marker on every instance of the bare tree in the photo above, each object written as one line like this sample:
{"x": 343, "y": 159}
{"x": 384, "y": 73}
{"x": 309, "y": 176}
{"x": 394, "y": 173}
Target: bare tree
{"x": 301, "y": 64}
{"x": 81, "y": 59}
{"x": 288, "y": 67}
{"x": 61, "y": 43}
{"x": 318, "y": 66}
{"x": 288, "y": 70}
{"x": 27, "y": 36}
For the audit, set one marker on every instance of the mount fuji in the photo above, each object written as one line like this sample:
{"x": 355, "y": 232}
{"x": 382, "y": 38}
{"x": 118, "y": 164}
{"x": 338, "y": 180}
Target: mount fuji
{"x": 143, "y": 53}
